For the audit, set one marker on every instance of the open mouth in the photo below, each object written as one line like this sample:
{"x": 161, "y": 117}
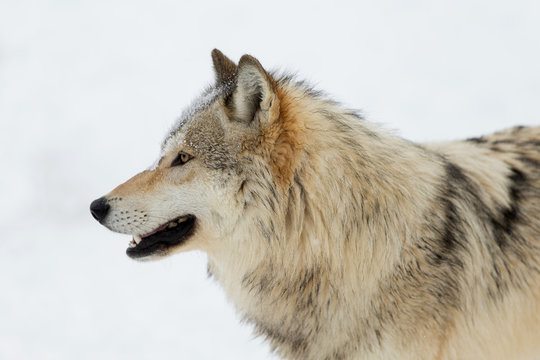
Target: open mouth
{"x": 173, "y": 233}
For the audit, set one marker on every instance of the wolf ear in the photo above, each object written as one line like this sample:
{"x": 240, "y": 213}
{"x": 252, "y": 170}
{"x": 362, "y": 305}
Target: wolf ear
{"x": 224, "y": 67}
{"x": 254, "y": 100}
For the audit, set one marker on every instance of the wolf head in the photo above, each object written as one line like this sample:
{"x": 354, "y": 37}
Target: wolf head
{"x": 229, "y": 143}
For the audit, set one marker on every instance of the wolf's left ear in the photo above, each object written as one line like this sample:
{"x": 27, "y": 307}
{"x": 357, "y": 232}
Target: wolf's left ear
{"x": 254, "y": 100}
{"x": 224, "y": 67}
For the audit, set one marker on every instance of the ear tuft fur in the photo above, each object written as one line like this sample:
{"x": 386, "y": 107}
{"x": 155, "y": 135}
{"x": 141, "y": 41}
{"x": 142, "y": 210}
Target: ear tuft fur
{"x": 254, "y": 94}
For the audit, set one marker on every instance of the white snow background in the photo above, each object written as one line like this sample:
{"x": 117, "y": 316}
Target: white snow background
{"x": 89, "y": 88}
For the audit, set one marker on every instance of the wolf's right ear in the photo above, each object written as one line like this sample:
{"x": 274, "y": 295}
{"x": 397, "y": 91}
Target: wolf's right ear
{"x": 254, "y": 100}
{"x": 224, "y": 67}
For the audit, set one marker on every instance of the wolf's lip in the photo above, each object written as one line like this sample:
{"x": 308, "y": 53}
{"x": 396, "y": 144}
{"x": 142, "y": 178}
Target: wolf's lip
{"x": 167, "y": 235}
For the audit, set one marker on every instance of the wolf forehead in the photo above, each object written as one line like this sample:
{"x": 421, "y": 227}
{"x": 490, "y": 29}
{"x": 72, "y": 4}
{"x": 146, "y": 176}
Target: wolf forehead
{"x": 202, "y": 131}
{"x": 177, "y": 134}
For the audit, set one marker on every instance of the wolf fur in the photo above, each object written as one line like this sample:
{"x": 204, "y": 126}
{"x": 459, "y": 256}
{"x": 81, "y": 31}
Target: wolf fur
{"x": 339, "y": 240}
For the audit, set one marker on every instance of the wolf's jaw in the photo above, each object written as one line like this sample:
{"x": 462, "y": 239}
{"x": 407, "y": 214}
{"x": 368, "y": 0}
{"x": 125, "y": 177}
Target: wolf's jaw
{"x": 168, "y": 234}
{"x": 171, "y": 224}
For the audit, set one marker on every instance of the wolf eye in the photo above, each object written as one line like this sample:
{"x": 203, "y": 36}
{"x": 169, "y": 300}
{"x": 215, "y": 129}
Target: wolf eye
{"x": 181, "y": 159}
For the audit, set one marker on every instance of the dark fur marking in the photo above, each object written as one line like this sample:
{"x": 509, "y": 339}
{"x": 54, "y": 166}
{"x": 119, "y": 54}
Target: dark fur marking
{"x": 260, "y": 284}
{"x": 272, "y": 188}
{"x": 264, "y": 230}
{"x": 273, "y": 229}
{"x": 477, "y": 140}
{"x": 503, "y": 225}
{"x": 241, "y": 191}
{"x": 264, "y": 284}
{"x": 528, "y": 161}
{"x": 508, "y": 245}
{"x": 299, "y": 291}
{"x": 302, "y": 193}
{"x": 504, "y": 141}
{"x": 445, "y": 252}
{"x": 452, "y": 233}
{"x": 291, "y": 338}
{"x": 517, "y": 129}
{"x": 378, "y": 336}
{"x": 255, "y": 196}
{"x": 300, "y": 187}
{"x": 269, "y": 203}
{"x": 531, "y": 143}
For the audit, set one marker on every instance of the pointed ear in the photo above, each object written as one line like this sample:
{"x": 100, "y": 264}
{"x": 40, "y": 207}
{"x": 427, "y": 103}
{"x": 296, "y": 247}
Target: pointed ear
{"x": 254, "y": 100}
{"x": 224, "y": 67}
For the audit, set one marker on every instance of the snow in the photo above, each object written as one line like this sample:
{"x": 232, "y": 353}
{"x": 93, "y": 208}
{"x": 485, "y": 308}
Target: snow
{"x": 88, "y": 89}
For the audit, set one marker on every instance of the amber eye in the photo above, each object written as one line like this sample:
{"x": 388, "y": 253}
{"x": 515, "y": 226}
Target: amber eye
{"x": 181, "y": 159}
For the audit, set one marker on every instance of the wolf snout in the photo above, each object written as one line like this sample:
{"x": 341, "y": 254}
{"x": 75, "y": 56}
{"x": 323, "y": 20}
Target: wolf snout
{"x": 99, "y": 209}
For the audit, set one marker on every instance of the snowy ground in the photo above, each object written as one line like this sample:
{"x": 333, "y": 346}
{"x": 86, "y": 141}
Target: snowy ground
{"x": 88, "y": 88}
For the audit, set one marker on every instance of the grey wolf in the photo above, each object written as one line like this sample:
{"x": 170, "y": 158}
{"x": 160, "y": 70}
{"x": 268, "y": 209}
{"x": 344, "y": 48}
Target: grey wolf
{"x": 337, "y": 239}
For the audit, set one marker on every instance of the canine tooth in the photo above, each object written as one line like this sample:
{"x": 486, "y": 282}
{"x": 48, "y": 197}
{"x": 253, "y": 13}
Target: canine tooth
{"x": 132, "y": 244}
{"x": 172, "y": 224}
{"x": 181, "y": 220}
{"x": 137, "y": 239}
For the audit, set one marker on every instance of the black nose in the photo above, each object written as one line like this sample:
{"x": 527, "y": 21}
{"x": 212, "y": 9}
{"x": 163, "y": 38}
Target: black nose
{"x": 99, "y": 209}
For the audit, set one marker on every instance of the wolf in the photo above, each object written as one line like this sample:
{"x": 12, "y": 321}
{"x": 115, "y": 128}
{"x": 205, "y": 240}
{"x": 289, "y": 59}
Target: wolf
{"x": 336, "y": 238}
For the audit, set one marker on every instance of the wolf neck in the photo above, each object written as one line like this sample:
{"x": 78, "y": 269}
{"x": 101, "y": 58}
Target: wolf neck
{"x": 355, "y": 197}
